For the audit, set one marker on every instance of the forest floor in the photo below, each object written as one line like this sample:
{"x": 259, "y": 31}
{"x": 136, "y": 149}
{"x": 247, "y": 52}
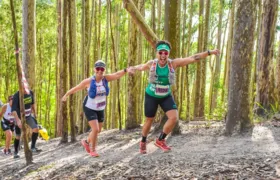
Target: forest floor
{"x": 200, "y": 152}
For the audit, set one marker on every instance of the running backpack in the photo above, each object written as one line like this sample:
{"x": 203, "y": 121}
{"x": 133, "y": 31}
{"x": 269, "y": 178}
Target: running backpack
{"x": 92, "y": 87}
{"x": 153, "y": 76}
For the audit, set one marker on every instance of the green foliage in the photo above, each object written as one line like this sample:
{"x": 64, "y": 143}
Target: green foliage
{"x": 46, "y": 41}
{"x": 268, "y": 113}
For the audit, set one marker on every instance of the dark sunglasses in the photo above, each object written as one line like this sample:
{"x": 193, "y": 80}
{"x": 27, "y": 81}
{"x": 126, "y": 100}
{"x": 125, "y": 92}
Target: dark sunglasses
{"x": 100, "y": 69}
{"x": 10, "y": 98}
{"x": 163, "y": 52}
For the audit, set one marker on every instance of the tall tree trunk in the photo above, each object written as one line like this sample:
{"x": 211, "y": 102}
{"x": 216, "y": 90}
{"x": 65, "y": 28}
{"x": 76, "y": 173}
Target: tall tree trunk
{"x": 107, "y": 51}
{"x": 153, "y": 16}
{"x": 99, "y": 31}
{"x": 216, "y": 78}
{"x": 203, "y": 62}
{"x": 115, "y": 113}
{"x": 139, "y": 99}
{"x": 278, "y": 76}
{"x": 63, "y": 75}
{"x": 197, "y": 87}
{"x": 48, "y": 99}
{"x": 131, "y": 121}
{"x": 269, "y": 17}
{"x": 159, "y": 30}
{"x": 228, "y": 51}
{"x": 29, "y": 46}
{"x": 187, "y": 68}
{"x": 258, "y": 35}
{"x": 72, "y": 64}
{"x": 58, "y": 59}
{"x": 27, "y": 152}
{"x": 87, "y": 38}
{"x": 183, "y": 53}
{"x": 95, "y": 30}
{"x": 82, "y": 121}
{"x": 239, "y": 92}
{"x": 28, "y": 41}
{"x": 171, "y": 34}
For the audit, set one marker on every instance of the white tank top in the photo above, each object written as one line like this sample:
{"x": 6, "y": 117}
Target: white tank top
{"x": 99, "y": 102}
{"x": 8, "y": 114}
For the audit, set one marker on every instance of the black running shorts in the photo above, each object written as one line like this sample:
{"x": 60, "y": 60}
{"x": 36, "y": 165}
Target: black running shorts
{"x": 92, "y": 114}
{"x": 30, "y": 121}
{"x": 151, "y": 104}
{"x": 7, "y": 126}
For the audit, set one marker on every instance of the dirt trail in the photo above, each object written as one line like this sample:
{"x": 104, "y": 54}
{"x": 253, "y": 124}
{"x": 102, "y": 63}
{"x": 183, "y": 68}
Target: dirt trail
{"x": 199, "y": 153}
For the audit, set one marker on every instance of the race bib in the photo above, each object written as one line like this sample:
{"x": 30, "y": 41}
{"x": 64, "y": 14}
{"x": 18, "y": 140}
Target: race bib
{"x": 161, "y": 90}
{"x": 27, "y": 112}
{"x": 100, "y": 104}
{"x": 11, "y": 121}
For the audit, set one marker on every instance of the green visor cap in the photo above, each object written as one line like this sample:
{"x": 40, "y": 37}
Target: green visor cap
{"x": 163, "y": 47}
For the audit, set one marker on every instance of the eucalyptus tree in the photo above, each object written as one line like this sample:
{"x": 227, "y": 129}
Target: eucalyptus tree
{"x": 264, "y": 100}
{"x": 241, "y": 64}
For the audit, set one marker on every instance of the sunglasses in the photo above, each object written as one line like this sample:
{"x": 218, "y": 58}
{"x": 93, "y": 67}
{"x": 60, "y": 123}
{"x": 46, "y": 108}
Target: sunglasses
{"x": 163, "y": 52}
{"x": 100, "y": 69}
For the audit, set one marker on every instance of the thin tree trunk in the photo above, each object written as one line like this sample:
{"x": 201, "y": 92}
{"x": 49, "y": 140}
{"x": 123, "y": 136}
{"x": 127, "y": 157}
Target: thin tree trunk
{"x": 258, "y": 35}
{"x": 278, "y": 76}
{"x": 63, "y": 75}
{"x": 187, "y": 68}
{"x": 82, "y": 121}
{"x": 72, "y": 65}
{"x": 203, "y": 62}
{"x": 183, "y": 53}
{"x": 27, "y": 152}
{"x": 171, "y": 33}
{"x": 28, "y": 41}
{"x": 269, "y": 17}
{"x": 228, "y": 51}
{"x": 87, "y": 38}
{"x": 159, "y": 30}
{"x": 216, "y": 78}
{"x": 58, "y": 57}
{"x": 197, "y": 86}
{"x": 140, "y": 61}
{"x": 131, "y": 121}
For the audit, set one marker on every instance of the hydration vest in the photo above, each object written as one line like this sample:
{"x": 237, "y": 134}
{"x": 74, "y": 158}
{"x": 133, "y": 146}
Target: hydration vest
{"x": 153, "y": 75}
{"x": 92, "y": 87}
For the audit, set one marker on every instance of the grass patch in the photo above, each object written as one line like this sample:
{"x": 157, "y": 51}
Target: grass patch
{"x": 43, "y": 168}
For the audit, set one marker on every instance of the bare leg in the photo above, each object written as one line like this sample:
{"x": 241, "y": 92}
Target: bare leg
{"x": 167, "y": 128}
{"x": 100, "y": 126}
{"x": 171, "y": 122}
{"x": 145, "y": 131}
{"x": 147, "y": 126}
{"x": 8, "y": 139}
{"x": 93, "y": 135}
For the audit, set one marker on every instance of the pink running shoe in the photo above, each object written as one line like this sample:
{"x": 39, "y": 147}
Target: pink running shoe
{"x": 162, "y": 145}
{"x": 93, "y": 154}
{"x": 143, "y": 147}
{"x": 86, "y": 145}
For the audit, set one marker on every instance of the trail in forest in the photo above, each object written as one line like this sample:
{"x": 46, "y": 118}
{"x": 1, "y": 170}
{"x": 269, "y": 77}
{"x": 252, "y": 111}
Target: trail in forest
{"x": 200, "y": 152}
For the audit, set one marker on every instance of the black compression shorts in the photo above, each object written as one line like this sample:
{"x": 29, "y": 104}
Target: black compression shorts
{"x": 151, "y": 104}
